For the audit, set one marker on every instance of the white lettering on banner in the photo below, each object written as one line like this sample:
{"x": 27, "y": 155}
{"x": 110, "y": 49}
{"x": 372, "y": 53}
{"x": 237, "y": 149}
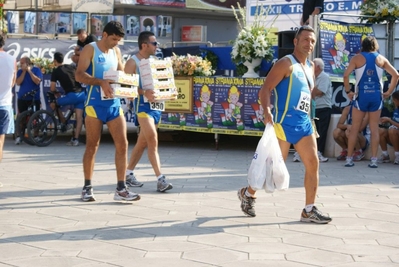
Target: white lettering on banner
{"x": 289, "y": 13}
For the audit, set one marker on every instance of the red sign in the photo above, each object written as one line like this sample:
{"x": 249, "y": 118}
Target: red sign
{"x": 192, "y": 33}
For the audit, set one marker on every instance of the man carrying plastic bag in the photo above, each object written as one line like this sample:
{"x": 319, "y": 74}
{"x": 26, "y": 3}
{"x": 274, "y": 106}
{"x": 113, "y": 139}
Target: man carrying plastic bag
{"x": 292, "y": 79}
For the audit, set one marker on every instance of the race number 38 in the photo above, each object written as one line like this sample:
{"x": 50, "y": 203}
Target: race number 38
{"x": 158, "y": 106}
{"x": 304, "y": 102}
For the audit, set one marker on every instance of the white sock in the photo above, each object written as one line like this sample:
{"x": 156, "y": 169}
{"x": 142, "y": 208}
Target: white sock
{"x": 309, "y": 207}
{"x": 161, "y": 177}
{"x": 385, "y": 153}
{"x": 396, "y": 153}
{"x": 128, "y": 172}
{"x": 248, "y": 194}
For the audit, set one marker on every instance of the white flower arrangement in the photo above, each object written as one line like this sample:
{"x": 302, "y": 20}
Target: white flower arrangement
{"x": 380, "y": 10}
{"x": 252, "y": 41}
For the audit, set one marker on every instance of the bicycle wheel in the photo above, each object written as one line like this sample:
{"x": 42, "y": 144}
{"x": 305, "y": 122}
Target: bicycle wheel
{"x": 21, "y": 126}
{"x": 42, "y": 128}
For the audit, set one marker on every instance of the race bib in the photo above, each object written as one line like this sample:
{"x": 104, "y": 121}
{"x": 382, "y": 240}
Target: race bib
{"x": 304, "y": 102}
{"x": 160, "y": 106}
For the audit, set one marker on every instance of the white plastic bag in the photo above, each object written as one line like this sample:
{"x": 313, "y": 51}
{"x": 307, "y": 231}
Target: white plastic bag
{"x": 260, "y": 168}
{"x": 268, "y": 170}
{"x": 280, "y": 175}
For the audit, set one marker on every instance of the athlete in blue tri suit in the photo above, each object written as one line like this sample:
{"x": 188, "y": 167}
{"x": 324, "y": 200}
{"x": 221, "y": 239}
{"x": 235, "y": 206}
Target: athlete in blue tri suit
{"x": 148, "y": 115}
{"x": 368, "y": 94}
{"x": 96, "y": 58}
{"x": 292, "y": 79}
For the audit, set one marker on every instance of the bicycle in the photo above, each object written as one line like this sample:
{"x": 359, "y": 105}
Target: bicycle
{"x": 23, "y": 119}
{"x": 43, "y": 125}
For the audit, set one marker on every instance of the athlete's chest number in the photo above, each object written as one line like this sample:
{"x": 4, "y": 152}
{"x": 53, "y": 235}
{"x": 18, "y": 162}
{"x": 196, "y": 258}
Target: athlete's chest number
{"x": 158, "y": 106}
{"x": 304, "y": 102}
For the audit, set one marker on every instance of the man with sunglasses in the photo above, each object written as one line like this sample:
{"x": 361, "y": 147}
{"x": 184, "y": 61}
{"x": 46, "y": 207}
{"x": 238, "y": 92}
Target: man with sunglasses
{"x": 96, "y": 58}
{"x": 148, "y": 117}
{"x": 292, "y": 79}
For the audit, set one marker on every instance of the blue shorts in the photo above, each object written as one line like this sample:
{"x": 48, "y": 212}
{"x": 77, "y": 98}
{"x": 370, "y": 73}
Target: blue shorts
{"x": 4, "y": 121}
{"x": 292, "y": 134}
{"x": 104, "y": 114}
{"x": 155, "y": 114}
{"x": 75, "y": 99}
{"x": 368, "y": 105}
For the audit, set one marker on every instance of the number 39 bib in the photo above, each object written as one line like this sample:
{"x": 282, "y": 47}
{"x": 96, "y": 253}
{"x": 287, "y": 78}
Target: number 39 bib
{"x": 304, "y": 102}
{"x": 160, "y": 106}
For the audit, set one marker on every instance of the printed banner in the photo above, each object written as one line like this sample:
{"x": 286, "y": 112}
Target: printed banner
{"x": 339, "y": 42}
{"x": 45, "y": 48}
{"x": 93, "y": 6}
{"x": 287, "y": 13}
{"x": 12, "y": 21}
{"x": 221, "y": 105}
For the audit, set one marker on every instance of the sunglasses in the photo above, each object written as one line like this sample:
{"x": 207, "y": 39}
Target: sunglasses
{"x": 153, "y": 43}
{"x": 304, "y": 28}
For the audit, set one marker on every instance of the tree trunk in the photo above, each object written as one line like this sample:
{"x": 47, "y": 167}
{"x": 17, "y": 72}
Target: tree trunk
{"x": 391, "y": 42}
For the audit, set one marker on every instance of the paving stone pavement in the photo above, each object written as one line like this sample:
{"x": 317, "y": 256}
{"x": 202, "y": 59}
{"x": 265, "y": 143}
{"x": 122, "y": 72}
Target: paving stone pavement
{"x": 199, "y": 223}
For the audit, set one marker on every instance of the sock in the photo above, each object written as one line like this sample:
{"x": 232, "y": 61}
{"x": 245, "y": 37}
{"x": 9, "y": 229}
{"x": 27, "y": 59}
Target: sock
{"x": 128, "y": 172}
{"x": 248, "y": 194}
{"x": 385, "y": 153}
{"x": 87, "y": 183}
{"x": 360, "y": 150}
{"x": 349, "y": 158}
{"x": 161, "y": 177}
{"x": 309, "y": 207}
{"x": 121, "y": 185}
{"x": 373, "y": 158}
{"x": 396, "y": 153}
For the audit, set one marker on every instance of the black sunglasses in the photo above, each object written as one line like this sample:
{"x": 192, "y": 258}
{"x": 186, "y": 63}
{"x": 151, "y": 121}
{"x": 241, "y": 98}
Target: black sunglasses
{"x": 153, "y": 43}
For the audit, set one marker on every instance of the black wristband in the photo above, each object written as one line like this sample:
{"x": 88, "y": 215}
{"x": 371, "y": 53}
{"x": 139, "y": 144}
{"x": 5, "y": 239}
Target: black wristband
{"x": 347, "y": 92}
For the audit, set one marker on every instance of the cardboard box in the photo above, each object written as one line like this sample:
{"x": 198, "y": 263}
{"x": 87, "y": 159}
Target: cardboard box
{"x": 121, "y": 91}
{"x": 120, "y": 77}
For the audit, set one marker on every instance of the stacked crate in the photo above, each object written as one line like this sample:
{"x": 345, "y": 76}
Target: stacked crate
{"x": 157, "y": 75}
{"x": 124, "y": 85}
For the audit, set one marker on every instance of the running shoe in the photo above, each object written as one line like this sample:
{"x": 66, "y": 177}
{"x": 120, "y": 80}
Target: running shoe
{"x": 383, "y": 159}
{"x": 131, "y": 181}
{"x": 126, "y": 195}
{"x": 87, "y": 194}
{"x": 162, "y": 185}
{"x": 315, "y": 216}
{"x": 247, "y": 203}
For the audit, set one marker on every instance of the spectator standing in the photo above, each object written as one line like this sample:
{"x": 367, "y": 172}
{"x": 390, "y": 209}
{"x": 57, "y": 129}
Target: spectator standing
{"x": 83, "y": 39}
{"x": 311, "y": 7}
{"x": 292, "y": 122}
{"x": 368, "y": 95}
{"x": 74, "y": 93}
{"x": 28, "y": 79}
{"x": 322, "y": 94}
{"x": 96, "y": 58}
{"x": 390, "y": 135}
{"x": 8, "y": 69}
{"x": 147, "y": 118}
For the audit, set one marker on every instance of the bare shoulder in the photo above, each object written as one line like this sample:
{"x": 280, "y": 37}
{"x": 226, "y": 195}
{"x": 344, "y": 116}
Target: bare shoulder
{"x": 130, "y": 66}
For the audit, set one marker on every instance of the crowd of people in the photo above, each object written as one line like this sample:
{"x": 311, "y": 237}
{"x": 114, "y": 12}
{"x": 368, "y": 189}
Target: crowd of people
{"x": 358, "y": 127}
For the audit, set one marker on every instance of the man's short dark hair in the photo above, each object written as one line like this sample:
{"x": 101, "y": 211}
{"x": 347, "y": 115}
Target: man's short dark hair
{"x": 144, "y": 37}
{"x": 304, "y": 28}
{"x": 80, "y": 31}
{"x": 2, "y": 41}
{"x": 395, "y": 95}
{"x": 59, "y": 57}
{"x": 114, "y": 28}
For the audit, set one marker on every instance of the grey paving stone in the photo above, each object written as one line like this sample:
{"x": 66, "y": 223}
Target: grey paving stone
{"x": 199, "y": 223}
